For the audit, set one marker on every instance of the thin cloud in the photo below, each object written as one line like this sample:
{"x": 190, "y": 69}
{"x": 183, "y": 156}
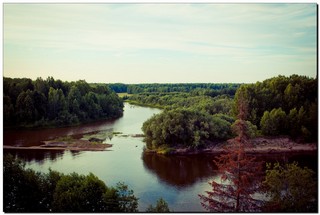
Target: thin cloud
{"x": 205, "y": 33}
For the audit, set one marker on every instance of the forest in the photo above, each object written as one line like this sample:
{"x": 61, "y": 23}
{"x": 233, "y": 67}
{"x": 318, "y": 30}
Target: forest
{"x": 193, "y": 116}
{"x": 277, "y": 106}
{"x": 212, "y": 88}
{"x": 200, "y": 113}
{"x": 50, "y": 102}
{"x": 26, "y": 190}
{"x": 283, "y": 106}
{"x": 284, "y": 188}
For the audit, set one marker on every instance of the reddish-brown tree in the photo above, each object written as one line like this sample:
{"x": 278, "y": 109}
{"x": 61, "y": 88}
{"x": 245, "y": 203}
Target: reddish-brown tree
{"x": 240, "y": 174}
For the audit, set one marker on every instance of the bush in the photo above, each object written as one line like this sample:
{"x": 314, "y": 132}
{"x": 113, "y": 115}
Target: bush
{"x": 28, "y": 191}
{"x": 184, "y": 127}
{"x": 291, "y": 188}
{"x": 161, "y": 207}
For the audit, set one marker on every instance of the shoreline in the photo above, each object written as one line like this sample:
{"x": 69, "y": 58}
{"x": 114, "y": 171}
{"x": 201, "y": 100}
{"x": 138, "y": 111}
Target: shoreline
{"x": 74, "y": 145}
{"x": 260, "y": 146}
{"x": 54, "y": 126}
{"x": 54, "y": 148}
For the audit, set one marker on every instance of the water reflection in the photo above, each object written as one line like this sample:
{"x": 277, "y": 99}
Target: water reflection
{"x": 179, "y": 171}
{"x": 185, "y": 171}
{"x": 39, "y": 156}
{"x": 304, "y": 159}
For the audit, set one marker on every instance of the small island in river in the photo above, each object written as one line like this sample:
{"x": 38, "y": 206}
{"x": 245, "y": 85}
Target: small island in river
{"x": 94, "y": 141}
{"x": 77, "y": 145}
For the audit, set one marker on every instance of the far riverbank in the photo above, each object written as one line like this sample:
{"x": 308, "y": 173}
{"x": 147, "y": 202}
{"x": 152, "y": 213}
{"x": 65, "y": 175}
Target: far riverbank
{"x": 260, "y": 145}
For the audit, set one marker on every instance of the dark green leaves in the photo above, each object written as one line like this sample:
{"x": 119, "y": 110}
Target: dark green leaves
{"x": 28, "y": 191}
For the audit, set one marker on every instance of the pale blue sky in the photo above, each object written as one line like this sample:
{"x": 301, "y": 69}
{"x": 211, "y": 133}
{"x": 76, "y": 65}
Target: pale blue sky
{"x": 159, "y": 43}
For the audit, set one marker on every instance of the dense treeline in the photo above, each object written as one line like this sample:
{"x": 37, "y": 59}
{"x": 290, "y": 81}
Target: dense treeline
{"x": 184, "y": 127}
{"x": 290, "y": 188}
{"x": 277, "y": 106}
{"x": 212, "y": 105}
{"x": 188, "y": 120}
{"x": 28, "y": 191}
{"x": 25, "y": 190}
{"x": 283, "y": 106}
{"x": 53, "y": 102}
{"x": 210, "y": 88}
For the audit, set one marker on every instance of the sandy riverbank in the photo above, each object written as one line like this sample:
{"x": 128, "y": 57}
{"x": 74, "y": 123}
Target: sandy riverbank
{"x": 261, "y": 145}
{"x": 74, "y": 145}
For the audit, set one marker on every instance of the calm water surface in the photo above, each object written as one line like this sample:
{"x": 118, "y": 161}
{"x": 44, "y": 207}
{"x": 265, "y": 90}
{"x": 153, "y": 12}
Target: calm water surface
{"x": 177, "y": 179}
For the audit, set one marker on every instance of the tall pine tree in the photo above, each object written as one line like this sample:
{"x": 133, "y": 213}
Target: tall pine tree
{"x": 240, "y": 174}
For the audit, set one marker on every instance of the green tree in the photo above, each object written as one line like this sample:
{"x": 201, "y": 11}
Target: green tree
{"x": 79, "y": 193}
{"x": 128, "y": 203}
{"x": 291, "y": 188}
{"x": 8, "y": 111}
{"x": 291, "y": 95}
{"x": 293, "y": 123}
{"x": 251, "y": 130}
{"x": 184, "y": 127}
{"x": 274, "y": 122}
{"x": 41, "y": 86}
{"x": 57, "y": 103}
{"x": 22, "y": 189}
{"x": 74, "y": 100}
{"x": 54, "y": 102}
{"x": 28, "y": 191}
{"x": 161, "y": 207}
{"x": 25, "y": 107}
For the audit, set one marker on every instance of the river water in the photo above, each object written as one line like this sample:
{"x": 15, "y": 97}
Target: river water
{"x": 177, "y": 179}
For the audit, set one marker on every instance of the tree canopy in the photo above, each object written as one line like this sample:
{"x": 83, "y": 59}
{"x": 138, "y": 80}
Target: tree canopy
{"x": 290, "y": 188}
{"x": 53, "y": 102}
{"x": 212, "y": 89}
{"x": 184, "y": 127}
{"x": 28, "y": 191}
{"x": 283, "y": 105}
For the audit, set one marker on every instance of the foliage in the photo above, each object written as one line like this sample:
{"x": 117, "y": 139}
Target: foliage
{"x": 212, "y": 105}
{"x": 297, "y": 98}
{"x": 210, "y": 89}
{"x": 240, "y": 179}
{"x": 41, "y": 102}
{"x": 190, "y": 119}
{"x": 291, "y": 188}
{"x": 250, "y": 128}
{"x": 161, "y": 207}
{"x": 126, "y": 200}
{"x": 185, "y": 127}
{"x": 273, "y": 123}
{"x": 240, "y": 174}
{"x": 28, "y": 191}
{"x": 21, "y": 188}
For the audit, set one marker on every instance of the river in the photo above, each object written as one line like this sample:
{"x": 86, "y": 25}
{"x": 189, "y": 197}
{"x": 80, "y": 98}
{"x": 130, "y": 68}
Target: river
{"x": 177, "y": 179}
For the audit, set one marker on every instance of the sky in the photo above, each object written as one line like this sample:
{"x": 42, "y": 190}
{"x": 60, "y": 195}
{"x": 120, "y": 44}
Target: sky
{"x": 159, "y": 43}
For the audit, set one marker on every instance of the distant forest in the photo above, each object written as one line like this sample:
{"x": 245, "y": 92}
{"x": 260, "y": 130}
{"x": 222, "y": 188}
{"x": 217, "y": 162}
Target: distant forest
{"x": 211, "y": 88}
{"x": 277, "y": 106}
{"x": 49, "y": 102}
{"x": 194, "y": 113}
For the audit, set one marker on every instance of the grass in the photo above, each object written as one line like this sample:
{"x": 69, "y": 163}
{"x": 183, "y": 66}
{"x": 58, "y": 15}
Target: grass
{"x": 164, "y": 150}
{"x": 121, "y": 95}
{"x": 132, "y": 102}
{"x": 65, "y": 139}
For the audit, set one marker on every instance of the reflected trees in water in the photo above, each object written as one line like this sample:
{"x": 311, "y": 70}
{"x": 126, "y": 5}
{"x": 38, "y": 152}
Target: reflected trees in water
{"x": 179, "y": 171}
